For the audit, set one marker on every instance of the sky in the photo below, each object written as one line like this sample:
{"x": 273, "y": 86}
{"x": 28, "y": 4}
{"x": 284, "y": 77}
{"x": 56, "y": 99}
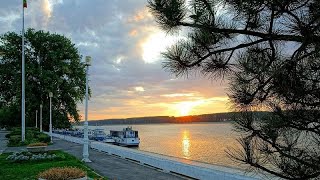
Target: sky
{"x": 124, "y": 41}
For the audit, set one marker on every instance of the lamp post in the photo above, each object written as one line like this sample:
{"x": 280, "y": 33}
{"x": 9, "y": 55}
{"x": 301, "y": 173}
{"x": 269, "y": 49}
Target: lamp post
{"x": 85, "y": 152}
{"x": 41, "y": 117}
{"x": 23, "y": 94}
{"x": 36, "y": 118}
{"x": 50, "y": 125}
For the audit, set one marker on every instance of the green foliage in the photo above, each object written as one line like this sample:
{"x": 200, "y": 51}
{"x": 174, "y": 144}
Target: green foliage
{"x": 30, "y": 169}
{"x": 14, "y": 140}
{"x": 53, "y": 64}
{"x": 44, "y": 138}
{"x": 32, "y": 136}
{"x": 9, "y": 115}
{"x": 269, "y": 52}
{"x": 172, "y": 13}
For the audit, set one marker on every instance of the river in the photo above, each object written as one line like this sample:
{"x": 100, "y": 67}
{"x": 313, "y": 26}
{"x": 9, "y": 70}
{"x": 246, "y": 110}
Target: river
{"x": 204, "y": 142}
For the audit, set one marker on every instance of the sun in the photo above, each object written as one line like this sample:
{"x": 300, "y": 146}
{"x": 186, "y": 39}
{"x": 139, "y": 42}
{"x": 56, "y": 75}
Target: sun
{"x": 184, "y": 108}
{"x": 155, "y": 44}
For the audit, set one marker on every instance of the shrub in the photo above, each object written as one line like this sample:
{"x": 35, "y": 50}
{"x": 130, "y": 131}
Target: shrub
{"x": 44, "y": 138}
{"x": 14, "y": 140}
{"x": 33, "y": 129}
{"x": 32, "y": 136}
{"x": 15, "y": 131}
{"x": 37, "y": 144}
{"x": 65, "y": 173}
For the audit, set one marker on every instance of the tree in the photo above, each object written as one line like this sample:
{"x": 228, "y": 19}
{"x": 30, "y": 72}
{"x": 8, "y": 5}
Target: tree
{"x": 53, "y": 64}
{"x": 269, "y": 53}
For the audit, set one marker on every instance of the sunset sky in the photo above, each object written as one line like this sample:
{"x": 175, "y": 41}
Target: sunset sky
{"x": 126, "y": 76}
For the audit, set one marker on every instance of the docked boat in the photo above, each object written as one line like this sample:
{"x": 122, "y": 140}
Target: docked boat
{"x": 126, "y": 137}
{"x": 108, "y": 139}
{"x": 98, "y": 135}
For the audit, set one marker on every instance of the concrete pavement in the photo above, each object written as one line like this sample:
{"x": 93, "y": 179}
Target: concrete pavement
{"x": 3, "y": 141}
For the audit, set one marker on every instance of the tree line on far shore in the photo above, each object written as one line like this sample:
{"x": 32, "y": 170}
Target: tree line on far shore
{"x": 215, "y": 117}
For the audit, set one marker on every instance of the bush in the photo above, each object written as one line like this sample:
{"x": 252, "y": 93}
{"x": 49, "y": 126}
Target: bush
{"x": 14, "y": 140}
{"x": 44, "y": 138}
{"x": 15, "y": 132}
{"x": 33, "y": 129}
{"x": 32, "y": 136}
{"x": 65, "y": 173}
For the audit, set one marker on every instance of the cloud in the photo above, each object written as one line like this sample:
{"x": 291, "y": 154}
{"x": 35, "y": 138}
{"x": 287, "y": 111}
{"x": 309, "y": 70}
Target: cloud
{"x": 139, "y": 89}
{"x": 178, "y": 95}
{"x": 126, "y": 76}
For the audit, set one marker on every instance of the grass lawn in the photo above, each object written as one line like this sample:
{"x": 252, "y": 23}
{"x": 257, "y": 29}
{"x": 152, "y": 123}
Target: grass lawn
{"x": 30, "y": 169}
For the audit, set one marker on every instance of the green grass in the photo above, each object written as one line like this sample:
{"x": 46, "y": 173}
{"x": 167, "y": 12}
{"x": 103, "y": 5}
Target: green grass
{"x": 30, "y": 169}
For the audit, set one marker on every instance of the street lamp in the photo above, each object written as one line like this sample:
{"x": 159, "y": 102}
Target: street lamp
{"x": 41, "y": 117}
{"x": 50, "y": 125}
{"x": 85, "y": 152}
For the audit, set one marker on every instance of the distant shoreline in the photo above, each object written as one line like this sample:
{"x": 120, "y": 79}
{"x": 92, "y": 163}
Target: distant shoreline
{"x": 221, "y": 122}
{"x": 204, "y": 118}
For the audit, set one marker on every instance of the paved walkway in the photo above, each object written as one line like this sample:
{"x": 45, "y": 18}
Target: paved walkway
{"x": 107, "y": 165}
{"x": 3, "y": 141}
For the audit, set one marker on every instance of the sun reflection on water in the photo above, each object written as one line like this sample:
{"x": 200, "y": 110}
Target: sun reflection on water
{"x": 186, "y": 144}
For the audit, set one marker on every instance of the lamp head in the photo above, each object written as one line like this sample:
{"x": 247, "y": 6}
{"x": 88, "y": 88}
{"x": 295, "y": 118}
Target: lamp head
{"x": 50, "y": 94}
{"x": 41, "y": 105}
{"x": 88, "y": 60}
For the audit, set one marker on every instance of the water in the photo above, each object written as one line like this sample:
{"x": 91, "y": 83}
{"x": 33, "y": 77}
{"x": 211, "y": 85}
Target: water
{"x": 204, "y": 142}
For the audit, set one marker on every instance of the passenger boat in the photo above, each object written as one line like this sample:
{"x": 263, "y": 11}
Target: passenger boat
{"x": 126, "y": 137}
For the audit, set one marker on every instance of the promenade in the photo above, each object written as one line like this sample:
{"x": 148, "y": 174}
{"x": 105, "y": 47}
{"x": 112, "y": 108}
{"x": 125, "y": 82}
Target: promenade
{"x": 113, "y": 167}
{"x": 3, "y": 141}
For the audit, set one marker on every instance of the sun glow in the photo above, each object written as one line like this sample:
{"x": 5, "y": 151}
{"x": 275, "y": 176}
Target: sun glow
{"x": 155, "y": 44}
{"x": 47, "y": 8}
{"x": 139, "y": 89}
{"x": 185, "y": 108}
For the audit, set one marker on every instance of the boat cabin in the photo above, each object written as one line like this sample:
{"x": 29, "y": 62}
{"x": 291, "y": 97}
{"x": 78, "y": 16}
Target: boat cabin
{"x": 125, "y": 133}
